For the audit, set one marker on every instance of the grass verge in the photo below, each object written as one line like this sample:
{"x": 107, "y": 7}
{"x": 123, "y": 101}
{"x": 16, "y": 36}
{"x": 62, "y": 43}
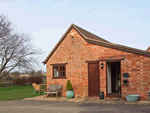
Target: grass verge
{"x": 17, "y": 92}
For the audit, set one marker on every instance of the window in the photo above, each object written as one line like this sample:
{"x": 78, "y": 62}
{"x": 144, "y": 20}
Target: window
{"x": 59, "y": 71}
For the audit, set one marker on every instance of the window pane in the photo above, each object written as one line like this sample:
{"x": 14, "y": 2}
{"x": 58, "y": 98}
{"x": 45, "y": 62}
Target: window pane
{"x": 55, "y": 68}
{"x": 63, "y": 74}
{"x": 56, "y": 73}
{"x": 63, "y": 68}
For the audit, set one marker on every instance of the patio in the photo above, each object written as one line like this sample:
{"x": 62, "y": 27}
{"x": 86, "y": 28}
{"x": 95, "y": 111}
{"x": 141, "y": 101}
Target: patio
{"x": 89, "y": 100}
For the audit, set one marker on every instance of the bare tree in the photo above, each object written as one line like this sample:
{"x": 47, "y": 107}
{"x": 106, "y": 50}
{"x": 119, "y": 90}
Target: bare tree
{"x": 39, "y": 73}
{"x": 32, "y": 72}
{"x": 15, "y": 73}
{"x": 16, "y": 50}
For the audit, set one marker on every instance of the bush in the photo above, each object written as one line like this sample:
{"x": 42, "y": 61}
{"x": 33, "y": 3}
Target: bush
{"x": 27, "y": 81}
{"x": 19, "y": 81}
{"x": 69, "y": 86}
{"x": 24, "y": 81}
{"x": 36, "y": 79}
{"x": 14, "y": 81}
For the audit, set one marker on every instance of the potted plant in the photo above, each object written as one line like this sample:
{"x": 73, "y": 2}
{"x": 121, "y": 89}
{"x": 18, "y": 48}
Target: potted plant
{"x": 69, "y": 90}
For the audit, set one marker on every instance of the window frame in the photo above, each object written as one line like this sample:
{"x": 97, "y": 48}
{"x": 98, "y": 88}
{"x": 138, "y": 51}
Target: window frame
{"x": 58, "y": 65}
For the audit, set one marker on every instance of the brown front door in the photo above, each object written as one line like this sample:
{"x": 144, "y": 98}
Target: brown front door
{"x": 93, "y": 79}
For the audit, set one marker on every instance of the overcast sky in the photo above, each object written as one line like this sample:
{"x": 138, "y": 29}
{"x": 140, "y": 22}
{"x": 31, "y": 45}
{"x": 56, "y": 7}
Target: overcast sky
{"x": 125, "y": 22}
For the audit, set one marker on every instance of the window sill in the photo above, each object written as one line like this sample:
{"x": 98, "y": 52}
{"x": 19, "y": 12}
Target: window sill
{"x": 59, "y": 78}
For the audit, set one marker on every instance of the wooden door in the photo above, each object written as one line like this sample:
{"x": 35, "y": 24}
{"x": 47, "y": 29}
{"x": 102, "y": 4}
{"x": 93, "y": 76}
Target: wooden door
{"x": 93, "y": 79}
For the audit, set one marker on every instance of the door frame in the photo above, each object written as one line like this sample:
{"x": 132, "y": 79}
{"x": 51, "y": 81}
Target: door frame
{"x": 106, "y": 77}
{"x": 92, "y": 62}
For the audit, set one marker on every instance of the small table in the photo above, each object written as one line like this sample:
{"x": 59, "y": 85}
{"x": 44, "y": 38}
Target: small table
{"x": 43, "y": 85}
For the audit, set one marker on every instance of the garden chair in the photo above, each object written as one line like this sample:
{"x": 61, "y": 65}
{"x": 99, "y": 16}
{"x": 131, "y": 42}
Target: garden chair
{"x": 37, "y": 88}
{"x": 33, "y": 84}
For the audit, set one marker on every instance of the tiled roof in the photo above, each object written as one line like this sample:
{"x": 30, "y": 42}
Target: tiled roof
{"x": 90, "y": 35}
{"x": 93, "y": 39}
{"x": 148, "y": 48}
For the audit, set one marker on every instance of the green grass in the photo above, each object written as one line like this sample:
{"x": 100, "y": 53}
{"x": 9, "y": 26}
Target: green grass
{"x": 17, "y": 92}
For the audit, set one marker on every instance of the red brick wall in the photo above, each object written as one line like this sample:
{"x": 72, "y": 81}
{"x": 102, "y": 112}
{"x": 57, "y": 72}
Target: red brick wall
{"x": 75, "y": 51}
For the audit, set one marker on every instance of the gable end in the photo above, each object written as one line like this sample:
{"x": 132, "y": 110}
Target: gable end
{"x": 93, "y": 39}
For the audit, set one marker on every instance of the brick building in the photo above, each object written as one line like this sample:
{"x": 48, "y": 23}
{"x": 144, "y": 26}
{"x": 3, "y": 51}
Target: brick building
{"x": 93, "y": 64}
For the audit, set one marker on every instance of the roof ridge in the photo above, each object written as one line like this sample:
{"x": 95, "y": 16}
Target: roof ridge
{"x": 79, "y": 31}
{"x": 95, "y": 36}
{"x": 100, "y": 42}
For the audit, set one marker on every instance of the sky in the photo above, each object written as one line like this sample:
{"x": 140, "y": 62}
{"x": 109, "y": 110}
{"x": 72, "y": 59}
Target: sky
{"x": 125, "y": 22}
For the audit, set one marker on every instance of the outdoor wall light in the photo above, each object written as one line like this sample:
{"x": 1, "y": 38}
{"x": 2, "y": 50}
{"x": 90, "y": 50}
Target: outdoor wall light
{"x": 102, "y": 65}
{"x": 72, "y": 34}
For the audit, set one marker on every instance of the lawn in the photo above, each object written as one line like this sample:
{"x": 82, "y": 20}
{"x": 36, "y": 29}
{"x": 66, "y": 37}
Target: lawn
{"x": 17, "y": 92}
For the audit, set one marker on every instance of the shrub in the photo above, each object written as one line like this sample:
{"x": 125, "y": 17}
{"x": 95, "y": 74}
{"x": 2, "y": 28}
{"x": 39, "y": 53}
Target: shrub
{"x": 24, "y": 81}
{"x": 35, "y": 79}
{"x": 14, "y": 81}
{"x": 69, "y": 86}
{"x": 27, "y": 81}
{"x": 19, "y": 80}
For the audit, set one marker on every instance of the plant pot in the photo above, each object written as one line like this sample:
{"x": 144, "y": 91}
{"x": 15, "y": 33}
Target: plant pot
{"x": 132, "y": 98}
{"x": 70, "y": 94}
